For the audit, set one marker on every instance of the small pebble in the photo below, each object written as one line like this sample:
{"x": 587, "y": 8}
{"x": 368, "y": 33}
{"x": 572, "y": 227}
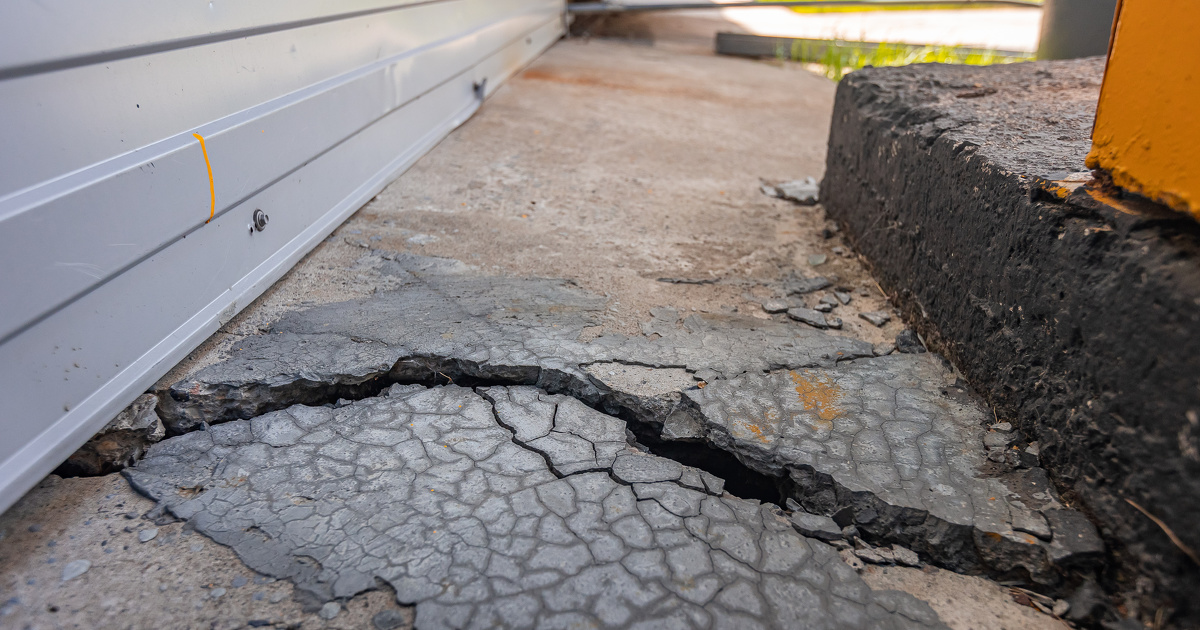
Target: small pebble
{"x": 834, "y": 322}
{"x": 239, "y": 582}
{"x": 823, "y": 307}
{"x": 774, "y": 306}
{"x": 146, "y": 535}
{"x": 1003, "y": 427}
{"x": 330, "y": 610}
{"x": 75, "y": 568}
{"x": 843, "y": 297}
{"x": 216, "y": 593}
{"x": 817, "y": 260}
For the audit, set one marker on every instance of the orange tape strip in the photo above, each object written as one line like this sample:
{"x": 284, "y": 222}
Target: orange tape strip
{"x": 212, "y": 189}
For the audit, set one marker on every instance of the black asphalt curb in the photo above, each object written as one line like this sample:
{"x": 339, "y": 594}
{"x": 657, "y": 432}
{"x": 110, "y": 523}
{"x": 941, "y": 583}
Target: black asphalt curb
{"x": 1075, "y": 313}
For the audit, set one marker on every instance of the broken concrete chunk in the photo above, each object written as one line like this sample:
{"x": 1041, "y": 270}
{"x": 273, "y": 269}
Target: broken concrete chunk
{"x": 774, "y": 306}
{"x": 816, "y": 526}
{"x": 1074, "y": 539}
{"x": 1003, "y": 427}
{"x": 843, "y": 297}
{"x": 808, "y": 316}
{"x": 800, "y": 286}
{"x": 996, "y": 439}
{"x": 905, "y": 556}
{"x": 120, "y": 443}
{"x": 908, "y": 342}
{"x": 850, "y": 557}
{"x": 876, "y": 318}
{"x": 883, "y": 349}
{"x": 802, "y": 191}
{"x": 823, "y": 307}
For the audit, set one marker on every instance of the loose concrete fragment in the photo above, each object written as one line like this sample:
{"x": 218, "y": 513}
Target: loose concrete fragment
{"x": 800, "y": 286}
{"x": 909, "y": 343}
{"x": 808, "y": 316}
{"x": 146, "y": 535}
{"x": 876, "y": 318}
{"x": 774, "y": 306}
{"x": 816, "y": 526}
{"x": 905, "y": 556}
{"x": 75, "y": 568}
{"x": 843, "y": 297}
{"x": 802, "y": 191}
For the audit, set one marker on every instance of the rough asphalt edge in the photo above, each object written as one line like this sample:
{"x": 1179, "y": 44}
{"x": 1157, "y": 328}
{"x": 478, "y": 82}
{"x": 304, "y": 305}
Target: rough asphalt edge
{"x": 228, "y": 505}
{"x": 387, "y": 339}
{"x": 1087, "y": 340}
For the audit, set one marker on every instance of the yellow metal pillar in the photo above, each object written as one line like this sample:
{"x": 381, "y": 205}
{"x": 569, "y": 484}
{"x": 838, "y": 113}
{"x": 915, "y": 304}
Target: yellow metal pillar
{"x": 1147, "y": 131}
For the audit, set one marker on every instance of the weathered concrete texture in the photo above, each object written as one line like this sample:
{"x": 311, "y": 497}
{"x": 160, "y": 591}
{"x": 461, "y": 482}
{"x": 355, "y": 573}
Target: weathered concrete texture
{"x": 427, "y": 490}
{"x": 1073, "y": 313}
{"x": 892, "y": 446}
{"x": 448, "y": 323}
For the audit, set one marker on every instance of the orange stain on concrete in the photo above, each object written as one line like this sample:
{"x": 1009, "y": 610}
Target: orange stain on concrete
{"x": 820, "y": 395}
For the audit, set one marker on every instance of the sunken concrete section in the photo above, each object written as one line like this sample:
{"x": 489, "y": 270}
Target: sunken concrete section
{"x": 1074, "y": 313}
{"x": 467, "y": 511}
{"x": 965, "y": 498}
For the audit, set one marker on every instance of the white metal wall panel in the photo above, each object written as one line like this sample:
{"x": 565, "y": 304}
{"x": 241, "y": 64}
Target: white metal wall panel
{"x": 110, "y": 273}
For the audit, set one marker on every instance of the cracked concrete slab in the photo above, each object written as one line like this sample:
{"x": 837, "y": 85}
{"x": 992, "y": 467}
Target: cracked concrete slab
{"x": 427, "y": 490}
{"x": 893, "y": 445}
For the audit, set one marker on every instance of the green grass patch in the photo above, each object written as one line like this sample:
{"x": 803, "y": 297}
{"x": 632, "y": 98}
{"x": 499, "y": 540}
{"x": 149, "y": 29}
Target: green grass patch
{"x": 894, "y": 6}
{"x": 839, "y": 58}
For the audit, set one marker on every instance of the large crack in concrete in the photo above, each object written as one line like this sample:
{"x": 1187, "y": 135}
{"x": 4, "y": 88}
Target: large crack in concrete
{"x": 426, "y": 489}
{"x": 893, "y": 445}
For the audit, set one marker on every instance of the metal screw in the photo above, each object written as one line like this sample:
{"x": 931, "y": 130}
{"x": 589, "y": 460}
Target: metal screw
{"x": 260, "y": 220}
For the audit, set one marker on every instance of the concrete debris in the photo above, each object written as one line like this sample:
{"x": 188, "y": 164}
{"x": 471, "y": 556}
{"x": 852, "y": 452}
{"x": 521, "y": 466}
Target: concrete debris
{"x": 120, "y": 443}
{"x": 823, "y": 308}
{"x": 905, "y": 556}
{"x": 830, "y": 299}
{"x": 75, "y": 568}
{"x": 443, "y": 487}
{"x": 774, "y": 306}
{"x": 843, "y": 297}
{"x": 883, "y": 349}
{"x": 908, "y": 342}
{"x": 146, "y": 535}
{"x": 1003, "y": 427}
{"x": 816, "y": 526}
{"x": 833, "y": 322}
{"x": 876, "y": 318}
{"x": 852, "y": 560}
{"x": 802, "y": 191}
{"x": 800, "y": 286}
{"x": 808, "y": 316}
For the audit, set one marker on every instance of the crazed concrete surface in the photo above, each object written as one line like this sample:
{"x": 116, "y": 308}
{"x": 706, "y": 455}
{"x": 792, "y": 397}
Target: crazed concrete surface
{"x": 554, "y": 523}
{"x": 892, "y": 444}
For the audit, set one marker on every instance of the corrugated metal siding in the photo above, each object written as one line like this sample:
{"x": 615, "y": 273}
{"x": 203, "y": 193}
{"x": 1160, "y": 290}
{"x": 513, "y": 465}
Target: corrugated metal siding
{"x": 110, "y": 273}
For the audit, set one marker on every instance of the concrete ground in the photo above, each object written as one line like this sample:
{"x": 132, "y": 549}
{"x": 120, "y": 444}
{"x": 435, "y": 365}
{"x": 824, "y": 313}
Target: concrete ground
{"x": 609, "y": 165}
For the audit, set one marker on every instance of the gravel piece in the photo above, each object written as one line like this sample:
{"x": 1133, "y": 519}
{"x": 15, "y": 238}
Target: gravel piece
{"x": 843, "y": 297}
{"x": 330, "y": 610}
{"x": 802, "y": 191}
{"x": 908, "y": 342}
{"x": 801, "y": 286}
{"x": 876, "y": 318}
{"x": 75, "y": 568}
{"x": 808, "y": 316}
{"x": 774, "y": 306}
{"x": 817, "y": 260}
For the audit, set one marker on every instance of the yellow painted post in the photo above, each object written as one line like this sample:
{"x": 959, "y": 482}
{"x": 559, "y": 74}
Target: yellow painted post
{"x": 1147, "y": 129}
